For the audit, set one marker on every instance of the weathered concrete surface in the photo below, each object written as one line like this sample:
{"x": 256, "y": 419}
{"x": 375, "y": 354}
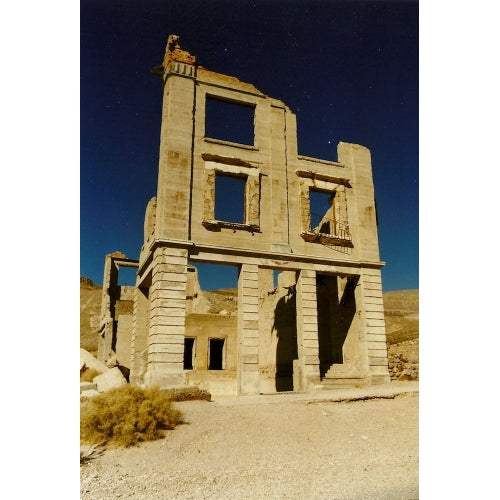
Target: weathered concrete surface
{"x": 382, "y": 391}
{"x": 90, "y": 393}
{"x": 309, "y": 336}
{"x": 87, "y": 386}
{"x": 90, "y": 362}
{"x": 112, "y": 379}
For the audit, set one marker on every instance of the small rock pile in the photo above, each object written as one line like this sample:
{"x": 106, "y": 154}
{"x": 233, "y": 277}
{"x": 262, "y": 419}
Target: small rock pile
{"x": 107, "y": 377}
{"x": 403, "y": 361}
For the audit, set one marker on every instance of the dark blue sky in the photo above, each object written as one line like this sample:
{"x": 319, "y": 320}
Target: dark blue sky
{"x": 348, "y": 70}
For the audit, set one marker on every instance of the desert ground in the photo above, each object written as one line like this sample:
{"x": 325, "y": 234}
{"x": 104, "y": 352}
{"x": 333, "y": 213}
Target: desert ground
{"x": 288, "y": 449}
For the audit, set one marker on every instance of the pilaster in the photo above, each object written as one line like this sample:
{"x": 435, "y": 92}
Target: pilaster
{"x": 167, "y": 318}
{"x": 248, "y": 330}
{"x": 307, "y": 332}
{"x": 373, "y": 322}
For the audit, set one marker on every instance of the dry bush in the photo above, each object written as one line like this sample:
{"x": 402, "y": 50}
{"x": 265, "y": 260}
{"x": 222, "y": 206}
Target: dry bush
{"x": 88, "y": 453}
{"x": 126, "y": 416}
{"x": 188, "y": 394}
{"x": 88, "y": 375}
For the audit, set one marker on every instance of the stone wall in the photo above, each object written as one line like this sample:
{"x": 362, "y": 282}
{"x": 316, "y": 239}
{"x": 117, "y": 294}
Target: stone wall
{"x": 282, "y": 338}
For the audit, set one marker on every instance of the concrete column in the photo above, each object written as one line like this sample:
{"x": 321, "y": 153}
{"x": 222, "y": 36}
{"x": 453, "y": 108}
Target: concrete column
{"x": 373, "y": 326}
{"x": 248, "y": 330}
{"x": 361, "y": 200}
{"x": 167, "y": 318}
{"x": 139, "y": 341}
{"x": 279, "y": 195}
{"x": 106, "y": 326}
{"x": 307, "y": 333}
{"x": 174, "y": 167}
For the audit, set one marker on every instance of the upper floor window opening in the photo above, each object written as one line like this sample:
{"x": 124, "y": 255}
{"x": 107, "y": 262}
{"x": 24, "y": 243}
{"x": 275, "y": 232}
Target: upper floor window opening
{"x": 229, "y": 121}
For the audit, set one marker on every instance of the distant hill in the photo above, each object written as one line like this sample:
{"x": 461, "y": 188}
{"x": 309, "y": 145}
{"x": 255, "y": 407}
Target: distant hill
{"x": 90, "y": 312}
{"x": 401, "y": 315}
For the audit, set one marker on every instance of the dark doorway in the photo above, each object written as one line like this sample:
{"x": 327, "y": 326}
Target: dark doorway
{"x": 336, "y": 309}
{"x": 188, "y": 353}
{"x": 216, "y": 354}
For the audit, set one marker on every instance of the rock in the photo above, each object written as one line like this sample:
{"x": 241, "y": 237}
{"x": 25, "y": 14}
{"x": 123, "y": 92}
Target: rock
{"x": 112, "y": 361}
{"x": 90, "y": 362}
{"x": 87, "y": 386}
{"x": 88, "y": 394}
{"x": 112, "y": 379}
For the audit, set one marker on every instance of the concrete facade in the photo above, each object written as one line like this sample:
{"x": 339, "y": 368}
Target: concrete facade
{"x": 323, "y": 324}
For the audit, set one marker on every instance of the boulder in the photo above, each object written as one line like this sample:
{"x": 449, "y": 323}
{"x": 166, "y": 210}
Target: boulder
{"x": 111, "y": 379}
{"x": 87, "y": 386}
{"x": 88, "y": 394}
{"x": 90, "y": 362}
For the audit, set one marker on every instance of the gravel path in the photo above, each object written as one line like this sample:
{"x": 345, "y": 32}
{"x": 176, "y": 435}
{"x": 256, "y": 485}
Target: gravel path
{"x": 289, "y": 449}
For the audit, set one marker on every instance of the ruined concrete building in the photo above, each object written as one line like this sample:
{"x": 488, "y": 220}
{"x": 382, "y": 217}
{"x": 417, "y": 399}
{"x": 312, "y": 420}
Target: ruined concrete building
{"x": 321, "y": 324}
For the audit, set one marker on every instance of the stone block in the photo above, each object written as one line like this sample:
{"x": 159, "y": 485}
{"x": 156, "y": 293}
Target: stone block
{"x": 88, "y": 394}
{"x": 91, "y": 363}
{"x": 87, "y": 386}
{"x": 112, "y": 379}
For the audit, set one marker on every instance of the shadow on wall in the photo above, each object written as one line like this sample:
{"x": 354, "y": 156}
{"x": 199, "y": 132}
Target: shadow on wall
{"x": 285, "y": 324}
{"x": 334, "y": 318}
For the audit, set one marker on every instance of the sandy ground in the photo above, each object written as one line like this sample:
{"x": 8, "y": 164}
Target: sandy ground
{"x": 287, "y": 449}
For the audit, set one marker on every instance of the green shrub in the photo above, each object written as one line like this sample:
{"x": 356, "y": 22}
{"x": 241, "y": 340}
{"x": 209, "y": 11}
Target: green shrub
{"x": 126, "y": 416}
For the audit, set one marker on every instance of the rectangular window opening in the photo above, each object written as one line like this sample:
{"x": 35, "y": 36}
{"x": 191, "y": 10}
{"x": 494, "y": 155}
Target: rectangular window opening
{"x": 216, "y": 354}
{"x": 188, "y": 353}
{"x": 229, "y": 121}
{"x": 230, "y": 198}
{"x": 127, "y": 275}
{"x": 322, "y": 212}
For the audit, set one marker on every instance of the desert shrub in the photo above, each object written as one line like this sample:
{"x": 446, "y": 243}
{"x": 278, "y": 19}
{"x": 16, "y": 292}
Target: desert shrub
{"x": 188, "y": 394}
{"x": 88, "y": 375}
{"x": 126, "y": 416}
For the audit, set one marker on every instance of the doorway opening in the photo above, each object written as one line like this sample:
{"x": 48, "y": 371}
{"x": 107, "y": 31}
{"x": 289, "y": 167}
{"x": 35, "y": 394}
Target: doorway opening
{"x": 189, "y": 353}
{"x": 336, "y": 307}
{"x": 216, "y": 354}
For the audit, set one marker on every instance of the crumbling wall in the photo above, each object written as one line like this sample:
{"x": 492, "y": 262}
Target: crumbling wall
{"x": 293, "y": 336}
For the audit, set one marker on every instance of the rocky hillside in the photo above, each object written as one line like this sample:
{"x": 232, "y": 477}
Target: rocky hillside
{"x": 401, "y": 317}
{"x": 402, "y": 326}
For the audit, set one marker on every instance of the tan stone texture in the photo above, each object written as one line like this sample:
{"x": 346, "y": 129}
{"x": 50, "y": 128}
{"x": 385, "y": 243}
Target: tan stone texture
{"x": 322, "y": 324}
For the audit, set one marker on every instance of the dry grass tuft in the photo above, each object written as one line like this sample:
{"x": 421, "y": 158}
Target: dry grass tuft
{"x": 127, "y": 416}
{"x": 88, "y": 453}
{"x": 88, "y": 375}
{"x": 188, "y": 394}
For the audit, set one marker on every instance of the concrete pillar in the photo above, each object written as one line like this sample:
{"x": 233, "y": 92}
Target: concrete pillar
{"x": 248, "y": 330}
{"x": 167, "y": 318}
{"x": 279, "y": 196}
{"x": 174, "y": 168}
{"x": 361, "y": 200}
{"x": 109, "y": 296}
{"x": 373, "y": 326}
{"x": 139, "y": 341}
{"x": 307, "y": 333}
